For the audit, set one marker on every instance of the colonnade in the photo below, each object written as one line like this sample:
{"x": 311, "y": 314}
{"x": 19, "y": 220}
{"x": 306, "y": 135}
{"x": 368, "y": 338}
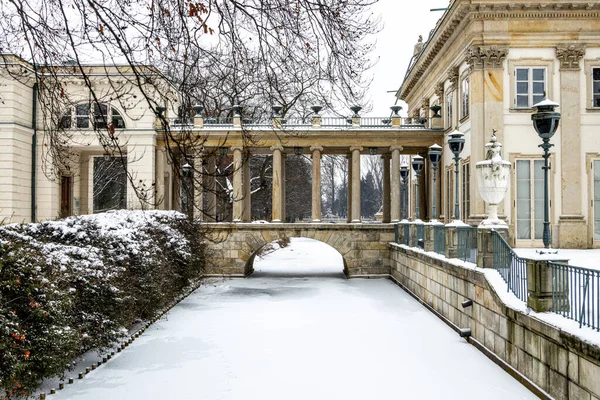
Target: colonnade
{"x": 242, "y": 185}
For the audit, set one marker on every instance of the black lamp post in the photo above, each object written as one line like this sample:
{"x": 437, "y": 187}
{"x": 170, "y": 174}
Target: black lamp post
{"x": 417, "y": 165}
{"x": 456, "y": 144}
{"x": 545, "y": 122}
{"x": 187, "y": 192}
{"x": 435, "y": 156}
{"x": 404, "y": 183}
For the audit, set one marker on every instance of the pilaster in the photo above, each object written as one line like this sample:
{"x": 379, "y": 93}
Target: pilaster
{"x": 572, "y": 229}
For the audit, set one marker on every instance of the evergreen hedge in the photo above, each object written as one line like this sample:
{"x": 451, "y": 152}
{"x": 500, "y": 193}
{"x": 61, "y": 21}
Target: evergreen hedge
{"x": 78, "y": 284}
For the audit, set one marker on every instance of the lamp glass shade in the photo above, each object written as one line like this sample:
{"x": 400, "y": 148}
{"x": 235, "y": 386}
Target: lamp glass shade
{"x": 404, "y": 171}
{"x": 435, "y": 153}
{"x": 417, "y": 164}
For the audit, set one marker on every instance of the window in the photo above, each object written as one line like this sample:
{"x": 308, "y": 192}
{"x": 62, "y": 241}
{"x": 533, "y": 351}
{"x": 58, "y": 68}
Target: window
{"x": 102, "y": 117}
{"x": 530, "y": 86}
{"x": 530, "y": 199}
{"x": 596, "y": 202}
{"x": 465, "y": 98}
{"x": 449, "y": 101}
{"x": 596, "y": 87}
{"x": 466, "y": 187}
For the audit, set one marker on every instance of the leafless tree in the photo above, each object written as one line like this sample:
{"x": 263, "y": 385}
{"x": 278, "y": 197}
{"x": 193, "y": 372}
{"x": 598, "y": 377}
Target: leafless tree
{"x": 213, "y": 52}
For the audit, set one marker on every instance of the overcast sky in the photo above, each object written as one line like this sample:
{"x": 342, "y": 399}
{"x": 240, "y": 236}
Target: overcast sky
{"x": 403, "y": 22}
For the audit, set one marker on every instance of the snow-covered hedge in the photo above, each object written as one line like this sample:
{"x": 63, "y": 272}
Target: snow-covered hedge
{"x": 77, "y": 284}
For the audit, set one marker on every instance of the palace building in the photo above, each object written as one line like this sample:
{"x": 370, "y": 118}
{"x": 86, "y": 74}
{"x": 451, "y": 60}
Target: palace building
{"x": 487, "y": 63}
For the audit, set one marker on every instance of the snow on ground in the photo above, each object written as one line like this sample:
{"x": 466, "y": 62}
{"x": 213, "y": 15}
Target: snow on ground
{"x": 297, "y": 329}
{"x": 589, "y": 258}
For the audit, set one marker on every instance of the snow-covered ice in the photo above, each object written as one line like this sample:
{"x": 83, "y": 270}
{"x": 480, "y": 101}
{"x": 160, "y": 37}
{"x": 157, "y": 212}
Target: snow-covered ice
{"x": 588, "y": 258}
{"x": 297, "y": 329}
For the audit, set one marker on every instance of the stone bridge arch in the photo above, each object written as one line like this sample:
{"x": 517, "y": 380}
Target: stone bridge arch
{"x": 364, "y": 248}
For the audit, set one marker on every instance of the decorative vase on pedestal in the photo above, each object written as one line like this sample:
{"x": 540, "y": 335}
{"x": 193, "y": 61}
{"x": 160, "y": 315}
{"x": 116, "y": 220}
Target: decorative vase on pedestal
{"x": 493, "y": 176}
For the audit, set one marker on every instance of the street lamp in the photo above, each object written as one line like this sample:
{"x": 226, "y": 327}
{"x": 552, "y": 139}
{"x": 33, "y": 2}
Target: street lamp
{"x": 456, "y": 144}
{"x": 187, "y": 173}
{"x": 435, "y": 156}
{"x": 545, "y": 122}
{"x": 404, "y": 177}
{"x": 417, "y": 165}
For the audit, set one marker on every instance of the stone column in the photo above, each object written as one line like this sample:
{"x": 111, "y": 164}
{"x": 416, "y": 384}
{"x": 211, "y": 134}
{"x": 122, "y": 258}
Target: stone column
{"x": 247, "y": 212}
{"x": 386, "y": 188}
{"x": 276, "y": 193}
{"x": 349, "y": 188}
{"x": 283, "y": 188}
{"x": 487, "y": 109}
{"x": 160, "y": 178}
{"x": 395, "y": 190}
{"x": 316, "y": 183}
{"x": 238, "y": 179}
{"x": 198, "y": 206}
{"x": 356, "y": 183}
{"x": 572, "y": 232}
{"x": 211, "y": 189}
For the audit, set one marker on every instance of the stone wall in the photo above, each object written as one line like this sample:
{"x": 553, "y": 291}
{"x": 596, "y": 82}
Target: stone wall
{"x": 559, "y": 363}
{"x": 363, "y": 247}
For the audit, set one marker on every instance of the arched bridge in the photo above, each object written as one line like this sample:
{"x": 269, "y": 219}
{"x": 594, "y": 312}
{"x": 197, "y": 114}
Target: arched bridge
{"x": 364, "y": 247}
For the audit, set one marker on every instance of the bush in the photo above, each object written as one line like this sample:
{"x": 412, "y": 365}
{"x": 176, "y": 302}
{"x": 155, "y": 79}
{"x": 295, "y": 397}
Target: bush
{"x": 74, "y": 285}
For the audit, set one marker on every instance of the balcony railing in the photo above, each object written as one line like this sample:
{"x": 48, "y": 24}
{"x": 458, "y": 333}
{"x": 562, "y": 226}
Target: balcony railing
{"x": 306, "y": 122}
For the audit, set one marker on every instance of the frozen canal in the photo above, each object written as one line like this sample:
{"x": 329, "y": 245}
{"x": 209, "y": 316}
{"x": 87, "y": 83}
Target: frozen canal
{"x": 298, "y": 332}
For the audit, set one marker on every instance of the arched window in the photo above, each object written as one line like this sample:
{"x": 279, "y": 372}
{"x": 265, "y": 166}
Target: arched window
{"x": 92, "y": 116}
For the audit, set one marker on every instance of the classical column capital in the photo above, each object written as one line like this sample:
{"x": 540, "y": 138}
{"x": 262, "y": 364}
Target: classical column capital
{"x": 273, "y": 148}
{"x": 399, "y": 148}
{"x": 313, "y": 148}
{"x": 453, "y": 78}
{"x": 439, "y": 91}
{"x": 486, "y": 57}
{"x": 239, "y": 148}
{"x": 354, "y": 148}
{"x": 569, "y": 56}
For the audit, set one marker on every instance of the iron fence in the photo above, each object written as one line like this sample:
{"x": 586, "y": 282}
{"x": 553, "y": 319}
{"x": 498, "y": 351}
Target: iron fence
{"x": 217, "y": 121}
{"x": 511, "y": 267}
{"x": 439, "y": 239}
{"x": 375, "y": 122}
{"x": 575, "y": 294}
{"x": 467, "y": 243}
{"x": 340, "y": 122}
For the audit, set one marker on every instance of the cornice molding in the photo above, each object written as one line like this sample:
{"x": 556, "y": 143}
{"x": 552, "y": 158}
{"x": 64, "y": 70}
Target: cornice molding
{"x": 462, "y": 11}
{"x": 569, "y": 56}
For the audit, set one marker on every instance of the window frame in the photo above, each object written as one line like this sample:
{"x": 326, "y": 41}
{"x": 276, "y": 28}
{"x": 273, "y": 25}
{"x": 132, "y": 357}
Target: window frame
{"x": 531, "y": 81}
{"x": 71, "y": 118}
{"x": 465, "y": 97}
{"x": 524, "y": 63}
{"x": 590, "y": 65}
{"x": 465, "y": 188}
{"x": 449, "y": 108}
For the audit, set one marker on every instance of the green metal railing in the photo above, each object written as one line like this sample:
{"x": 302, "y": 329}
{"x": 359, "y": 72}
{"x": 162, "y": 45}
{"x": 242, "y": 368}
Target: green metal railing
{"x": 439, "y": 239}
{"x": 511, "y": 267}
{"x": 575, "y": 294}
{"x": 467, "y": 243}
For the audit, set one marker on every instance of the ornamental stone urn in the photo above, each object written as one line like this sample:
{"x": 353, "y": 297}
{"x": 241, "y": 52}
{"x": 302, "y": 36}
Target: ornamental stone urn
{"x": 493, "y": 175}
